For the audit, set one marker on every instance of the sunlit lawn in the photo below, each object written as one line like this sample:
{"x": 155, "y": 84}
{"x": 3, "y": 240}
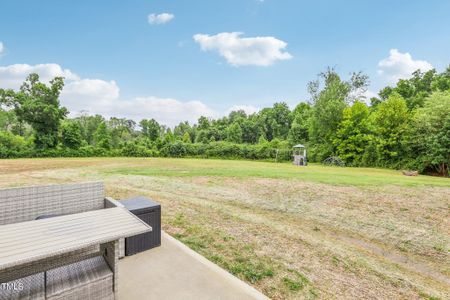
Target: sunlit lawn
{"x": 292, "y": 232}
{"x": 248, "y": 169}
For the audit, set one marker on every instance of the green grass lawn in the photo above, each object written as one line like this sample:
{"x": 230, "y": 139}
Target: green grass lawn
{"x": 292, "y": 232}
{"x": 249, "y": 169}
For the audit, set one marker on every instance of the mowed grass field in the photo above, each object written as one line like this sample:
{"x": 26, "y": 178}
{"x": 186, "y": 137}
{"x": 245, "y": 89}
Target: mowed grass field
{"x": 292, "y": 232}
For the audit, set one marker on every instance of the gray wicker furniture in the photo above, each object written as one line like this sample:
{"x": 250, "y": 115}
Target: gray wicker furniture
{"x": 83, "y": 231}
{"x": 28, "y": 288}
{"x": 87, "y": 279}
{"x": 27, "y": 203}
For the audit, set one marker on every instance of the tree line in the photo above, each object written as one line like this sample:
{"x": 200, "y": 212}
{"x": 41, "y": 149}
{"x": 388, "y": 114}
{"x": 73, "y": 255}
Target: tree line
{"x": 406, "y": 126}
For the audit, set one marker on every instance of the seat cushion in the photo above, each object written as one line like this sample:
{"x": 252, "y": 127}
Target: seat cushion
{"x": 88, "y": 279}
{"x": 27, "y": 288}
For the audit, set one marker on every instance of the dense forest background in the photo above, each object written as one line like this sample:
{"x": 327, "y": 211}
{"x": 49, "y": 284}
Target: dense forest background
{"x": 407, "y": 126}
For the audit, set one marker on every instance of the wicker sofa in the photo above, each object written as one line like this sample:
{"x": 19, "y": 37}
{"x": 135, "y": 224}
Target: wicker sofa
{"x": 93, "y": 277}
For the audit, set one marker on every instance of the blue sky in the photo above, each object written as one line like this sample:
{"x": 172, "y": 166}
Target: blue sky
{"x": 112, "y": 55}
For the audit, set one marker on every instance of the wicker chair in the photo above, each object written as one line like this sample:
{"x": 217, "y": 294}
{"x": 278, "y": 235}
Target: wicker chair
{"x": 87, "y": 279}
{"x": 27, "y": 203}
{"x": 28, "y": 288}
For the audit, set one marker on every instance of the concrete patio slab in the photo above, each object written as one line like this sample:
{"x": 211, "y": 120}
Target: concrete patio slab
{"x": 174, "y": 271}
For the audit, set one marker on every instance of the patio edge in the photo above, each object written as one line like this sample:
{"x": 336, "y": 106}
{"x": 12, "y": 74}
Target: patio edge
{"x": 251, "y": 291}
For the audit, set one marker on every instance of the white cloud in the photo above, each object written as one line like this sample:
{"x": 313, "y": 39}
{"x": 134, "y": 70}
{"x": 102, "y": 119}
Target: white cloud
{"x": 401, "y": 65}
{"x": 156, "y": 19}
{"x": 12, "y": 76}
{"x": 92, "y": 95}
{"x": 166, "y": 110}
{"x": 97, "y": 96}
{"x": 2, "y": 48}
{"x": 249, "y": 109}
{"x": 239, "y": 51}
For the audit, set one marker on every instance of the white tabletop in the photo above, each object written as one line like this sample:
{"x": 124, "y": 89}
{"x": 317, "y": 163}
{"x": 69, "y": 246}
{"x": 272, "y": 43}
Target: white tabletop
{"x": 26, "y": 242}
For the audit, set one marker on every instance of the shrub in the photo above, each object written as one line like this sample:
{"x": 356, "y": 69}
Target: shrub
{"x": 14, "y": 146}
{"x": 135, "y": 150}
{"x": 175, "y": 149}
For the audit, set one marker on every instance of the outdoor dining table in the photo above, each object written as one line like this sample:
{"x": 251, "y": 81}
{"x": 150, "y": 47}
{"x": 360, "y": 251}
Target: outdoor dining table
{"x": 36, "y": 246}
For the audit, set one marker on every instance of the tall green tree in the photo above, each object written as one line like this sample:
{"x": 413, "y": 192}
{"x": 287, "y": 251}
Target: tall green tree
{"x": 275, "y": 121}
{"x": 102, "y": 136}
{"x": 353, "y": 134}
{"x": 38, "y": 105}
{"x": 237, "y": 116}
{"x": 182, "y": 128}
{"x": 234, "y": 133}
{"x": 389, "y": 122}
{"x": 150, "y": 129}
{"x": 88, "y": 125}
{"x": 187, "y": 138}
{"x": 442, "y": 81}
{"x": 250, "y": 130}
{"x": 122, "y": 130}
{"x": 10, "y": 123}
{"x": 429, "y": 135}
{"x": 71, "y": 134}
{"x": 203, "y": 123}
{"x": 417, "y": 88}
{"x": 300, "y": 124}
{"x": 329, "y": 103}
